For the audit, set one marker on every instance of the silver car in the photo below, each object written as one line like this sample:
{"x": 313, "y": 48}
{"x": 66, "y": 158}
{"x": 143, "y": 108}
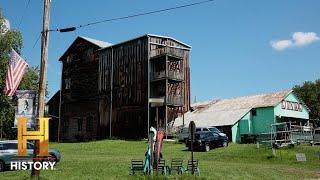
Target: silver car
{"x": 316, "y": 136}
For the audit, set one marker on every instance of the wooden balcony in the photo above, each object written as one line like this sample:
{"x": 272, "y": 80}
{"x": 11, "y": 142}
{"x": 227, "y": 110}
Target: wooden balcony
{"x": 173, "y": 75}
{"x": 170, "y": 51}
{"x": 174, "y": 100}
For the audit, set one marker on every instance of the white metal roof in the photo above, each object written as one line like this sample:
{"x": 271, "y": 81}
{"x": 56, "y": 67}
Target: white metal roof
{"x": 152, "y": 35}
{"x": 99, "y": 43}
{"x": 229, "y": 111}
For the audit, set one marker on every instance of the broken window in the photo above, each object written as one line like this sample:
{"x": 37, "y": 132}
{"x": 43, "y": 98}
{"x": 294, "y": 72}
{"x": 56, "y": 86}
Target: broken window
{"x": 67, "y": 83}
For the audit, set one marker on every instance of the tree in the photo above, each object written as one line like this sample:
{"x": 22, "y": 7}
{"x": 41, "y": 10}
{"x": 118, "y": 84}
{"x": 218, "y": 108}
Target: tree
{"x": 11, "y": 39}
{"x": 309, "y": 93}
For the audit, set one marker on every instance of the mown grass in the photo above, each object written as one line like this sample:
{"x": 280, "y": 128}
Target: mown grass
{"x": 110, "y": 159}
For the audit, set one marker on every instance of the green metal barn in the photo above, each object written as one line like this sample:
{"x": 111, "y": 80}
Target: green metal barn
{"x": 245, "y": 118}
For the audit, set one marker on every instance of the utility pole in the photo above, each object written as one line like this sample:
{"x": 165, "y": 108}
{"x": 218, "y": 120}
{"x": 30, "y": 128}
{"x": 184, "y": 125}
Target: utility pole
{"x": 42, "y": 82}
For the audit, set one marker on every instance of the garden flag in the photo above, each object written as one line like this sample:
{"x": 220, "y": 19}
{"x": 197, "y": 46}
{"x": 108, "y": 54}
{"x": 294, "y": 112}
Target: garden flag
{"x": 16, "y": 69}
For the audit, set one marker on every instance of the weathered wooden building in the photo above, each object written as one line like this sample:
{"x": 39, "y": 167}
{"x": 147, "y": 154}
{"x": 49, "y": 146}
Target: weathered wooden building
{"x": 106, "y": 88}
{"x": 132, "y": 72}
{"x": 79, "y": 90}
{"x": 52, "y": 109}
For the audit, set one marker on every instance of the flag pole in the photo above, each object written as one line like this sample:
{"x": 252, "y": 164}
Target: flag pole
{"x": 42, "y": 82}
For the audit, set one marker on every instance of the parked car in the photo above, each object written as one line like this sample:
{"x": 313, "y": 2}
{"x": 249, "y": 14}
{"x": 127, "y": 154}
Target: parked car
{"x": 184, "y": 133}
{"x": 9, "y": 150}
{"x": 207, "y": 140}
{"x": 316, "y": 136}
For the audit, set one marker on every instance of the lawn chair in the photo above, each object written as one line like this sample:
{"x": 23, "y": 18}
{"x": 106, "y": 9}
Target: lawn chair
{"x": 161, "y": 167}
{"x": 136, "y": 167}
{"x": 195, "y": 164}
{"x": 176, "y": 166}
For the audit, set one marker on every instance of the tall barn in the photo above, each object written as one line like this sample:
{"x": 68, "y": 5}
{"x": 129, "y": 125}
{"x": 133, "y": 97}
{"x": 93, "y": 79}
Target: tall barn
{"x": 79, "y": 92}
{"x": 133, "y": 73}
{"x": 111, "y": 89}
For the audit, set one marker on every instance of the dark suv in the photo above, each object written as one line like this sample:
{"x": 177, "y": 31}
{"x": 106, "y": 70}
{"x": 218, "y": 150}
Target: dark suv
{"x": 208, "y": 140}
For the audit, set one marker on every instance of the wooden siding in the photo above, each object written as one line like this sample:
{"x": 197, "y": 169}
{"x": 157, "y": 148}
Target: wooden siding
{"x": 80, "y": 96}
{"x": 130, "y": 88}
{"x": 128, "y": 64}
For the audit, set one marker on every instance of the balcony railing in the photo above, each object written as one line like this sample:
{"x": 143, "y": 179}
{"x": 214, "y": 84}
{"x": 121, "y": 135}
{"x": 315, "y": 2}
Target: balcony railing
{"x": 168, "y": 51}
{"x": 175, "y": 75}
{"x": 158, "y": 75}
{"x": 175, "y": 100}
{"x": 171, "y": 75}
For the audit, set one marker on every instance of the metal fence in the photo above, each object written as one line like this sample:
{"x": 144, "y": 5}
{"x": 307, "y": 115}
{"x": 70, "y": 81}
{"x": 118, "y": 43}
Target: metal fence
{"x": 284, "y": 134}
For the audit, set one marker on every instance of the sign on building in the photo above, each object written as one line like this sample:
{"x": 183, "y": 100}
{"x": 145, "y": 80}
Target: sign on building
{"x": 294, "y": 106}
{"x": 26, "y": 107}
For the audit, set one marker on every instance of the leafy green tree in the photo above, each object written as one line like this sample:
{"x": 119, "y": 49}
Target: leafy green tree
{"x": 11, "y": 39}
{"x": 309, "y": 93}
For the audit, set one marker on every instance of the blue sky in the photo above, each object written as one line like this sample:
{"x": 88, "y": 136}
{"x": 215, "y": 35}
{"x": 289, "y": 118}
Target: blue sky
{"x": 231, "y": 40}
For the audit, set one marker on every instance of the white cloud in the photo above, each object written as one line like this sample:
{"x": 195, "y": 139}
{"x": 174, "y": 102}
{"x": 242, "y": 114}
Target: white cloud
{"x": 299, "y": 39}
{"x": 281, "y": 45}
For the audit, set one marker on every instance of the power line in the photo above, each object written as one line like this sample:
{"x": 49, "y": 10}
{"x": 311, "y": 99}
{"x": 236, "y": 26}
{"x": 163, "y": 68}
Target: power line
{"x": 25, "y": 11}
{"x": 34, "y": 44}
{"x": 36, "y": 41}
{"x": 73, "y": 28}
{"x": 120, "y": 18}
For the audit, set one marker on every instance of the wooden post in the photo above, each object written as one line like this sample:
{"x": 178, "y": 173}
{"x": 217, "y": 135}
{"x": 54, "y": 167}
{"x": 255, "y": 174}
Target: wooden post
{"x": 183, "y": 117}
{"x": 157, "y": 117}
{"x": 111, "y": 93}
{"x": 192, "y": 130}
{"x": 42, "y": 82}
{"x": 167, "y": 96}
{"x": 60, "y": 100}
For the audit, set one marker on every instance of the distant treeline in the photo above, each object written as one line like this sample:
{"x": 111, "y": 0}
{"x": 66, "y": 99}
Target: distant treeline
{"x": 309, "y": 93}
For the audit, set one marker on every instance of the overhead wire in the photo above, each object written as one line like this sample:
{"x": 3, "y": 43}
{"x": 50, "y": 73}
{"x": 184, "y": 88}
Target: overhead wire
{"x": 25, "y": 11}
{"x": 73, "y": 28}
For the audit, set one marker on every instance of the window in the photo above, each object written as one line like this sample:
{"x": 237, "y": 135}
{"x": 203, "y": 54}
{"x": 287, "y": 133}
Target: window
{"x": 11, "y": 146}
{"x": 89, "y": 54}
{"x": 254, "y": 112}
{"x": 206, "y": 129}
{"x": 1, "y": 147}
{"x": 215, "y": 130}
{"x": 89, "y": 123}
{"x": 29, "y": 146}
{"x": 80, "y": 122}
{"x": 65, "y": 124}
{"x": 67, "y": 83}
{"x": 69, "y": 59}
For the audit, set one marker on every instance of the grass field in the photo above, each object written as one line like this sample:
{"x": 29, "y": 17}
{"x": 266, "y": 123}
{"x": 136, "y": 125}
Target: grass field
{"x": 110, "y": 159}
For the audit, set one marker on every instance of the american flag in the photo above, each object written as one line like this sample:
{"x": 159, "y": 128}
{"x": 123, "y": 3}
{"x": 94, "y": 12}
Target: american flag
{"x": 16, "y": 69}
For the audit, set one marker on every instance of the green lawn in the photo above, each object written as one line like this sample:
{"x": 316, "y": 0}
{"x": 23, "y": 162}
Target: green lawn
{"x": 110, "y": 159}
